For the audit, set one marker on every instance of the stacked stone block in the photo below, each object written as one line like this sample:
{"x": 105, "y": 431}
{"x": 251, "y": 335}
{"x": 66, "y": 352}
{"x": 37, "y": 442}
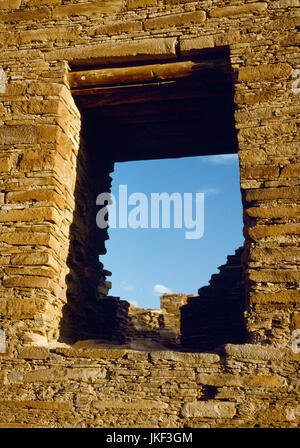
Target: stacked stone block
{"x": 159, "y": 327}
{"x": 172, "y": 304}
{"x": 91, "y": 385}
{"x": 40, "y": 139}
{"x": 254, "y": 384}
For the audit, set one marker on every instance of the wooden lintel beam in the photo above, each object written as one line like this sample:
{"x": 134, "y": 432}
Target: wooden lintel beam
{"x": 115, "y": 97}
{"x": 141, "y": 74}
{"x": 114, "y": 88}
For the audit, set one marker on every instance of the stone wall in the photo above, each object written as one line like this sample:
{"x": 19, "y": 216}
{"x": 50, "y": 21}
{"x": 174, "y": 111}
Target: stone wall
{"x": 41, "y": 148}
{"x": 172, "y": 304}
{"x": 40, "y": 136}
{"x": 146, "y": 330}
{"x": 91, "y": 385}
{"x": 154, "y": 328}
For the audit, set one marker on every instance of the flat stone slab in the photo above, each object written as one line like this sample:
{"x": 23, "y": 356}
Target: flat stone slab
{"x": 210, "y": 409}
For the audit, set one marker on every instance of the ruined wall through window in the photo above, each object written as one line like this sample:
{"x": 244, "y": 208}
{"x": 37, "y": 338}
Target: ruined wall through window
{"x": 150, "y": 111}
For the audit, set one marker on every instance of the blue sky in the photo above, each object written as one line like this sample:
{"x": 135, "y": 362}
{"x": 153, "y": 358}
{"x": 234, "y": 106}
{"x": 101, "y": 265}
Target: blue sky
{"x": 147, "y": 262}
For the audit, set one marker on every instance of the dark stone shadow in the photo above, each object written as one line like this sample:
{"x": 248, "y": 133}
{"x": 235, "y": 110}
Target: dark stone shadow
{"x": 89, "y": 314}
{"x": 216, "y": 316}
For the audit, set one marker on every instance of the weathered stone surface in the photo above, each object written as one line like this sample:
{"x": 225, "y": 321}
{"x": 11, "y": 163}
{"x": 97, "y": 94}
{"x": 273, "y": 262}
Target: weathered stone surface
{"x": 176, "y": 2}
{"x": 284, "y": 4}
{"x": 296, "y": 319}
{"x": 138, "y": 404}
{"x": 274, "y": 212}
{"x": 291, "y": 296}
{"x": 23, "y": 134}
{"x": 34, "y": 353}
{"x": 17, "y": 134}
{"x": 260, "y": 172}
{"x": 168, "y": 373}
{"x": 210, "y": 409}
{"x": 30, "y": 237}
{"x": 30, "y": 214}
{"x": 38, "y": 195}
{"x": 274, "y": 254}
{"x": 250, "y": 8}
{"x": 198, "y": 358}
{"x": 6, "y": 164}
{"x": 256, "y": 97}
{"x": 29, "y": 281}
{"x": 88, "y": 9}
{"x": 191, "y": 46}
{"x": 50, "y": 279}
{"x": 133, "y": 4}
{"x": 109, "y": 353}
{"x": 110, "y": 52}
{"x": 169, "y": 21}
{"x": 46, "y": 35}
{"x": 258, "y": 352}
{"x": 246, "y": 381}
{"x": 291, "y": 171}
{"x": 272, "y": 193}
{"x": 25, "y": 15}
{"x": 21, "y": 308}
{"x": 32, "y": 404}
{"x": 51, "y": 161}
{"x": 36, "y": 107}
{"x": 276, "y": 276}
{"x": 33, "y": 258}
{"x": 43, "y": 2}
{"x": 59, "y": 374}
{"x": 119, "y": 27}
{"x": 263, "y": 231}
{"x": 10, "y": 4}
{"x": 265, "y": 72}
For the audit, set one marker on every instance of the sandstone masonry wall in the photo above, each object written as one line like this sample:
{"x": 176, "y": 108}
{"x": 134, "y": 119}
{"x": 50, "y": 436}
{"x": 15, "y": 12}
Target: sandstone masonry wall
{"x": 40, "y": 127}
{"x": 156, "y": 327}
{"x": 93, "y": 386}
{"x": 41, "y": 124}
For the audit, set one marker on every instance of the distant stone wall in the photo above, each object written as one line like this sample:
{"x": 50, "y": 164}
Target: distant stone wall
{"x": 159, "y": 326}
{"x": 172, "y": 304}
